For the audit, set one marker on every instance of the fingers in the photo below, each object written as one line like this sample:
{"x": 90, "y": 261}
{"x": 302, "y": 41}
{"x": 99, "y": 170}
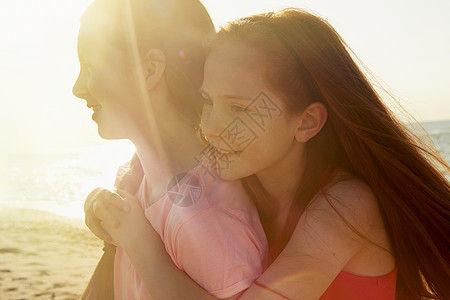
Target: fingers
{"x": 129, "y": 199}
{"x": 92, "y": 222}
{"x": 116, "y": 200}
{"x": 101, "y": 211}
{"x": 124, "y": 194}
{"x": 110, "y": 198}
{"x": 90, "y": 198}
{"x": 102, "y": 207}
{"x": 96, "y": 210}
{"x": 95, "y": 226}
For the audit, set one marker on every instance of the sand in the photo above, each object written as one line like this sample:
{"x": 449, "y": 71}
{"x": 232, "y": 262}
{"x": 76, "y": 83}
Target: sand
{"x": 44, "y": 256}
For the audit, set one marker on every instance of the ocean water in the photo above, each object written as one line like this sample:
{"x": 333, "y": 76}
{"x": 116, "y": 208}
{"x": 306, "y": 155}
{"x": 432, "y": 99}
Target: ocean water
{"x": 59, "y": 182}
{"x": 439, "y": 132}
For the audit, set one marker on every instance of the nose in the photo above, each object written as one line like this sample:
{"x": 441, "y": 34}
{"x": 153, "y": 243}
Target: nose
{"x": 79, "y": 89}
{"x": 212, "y": 124}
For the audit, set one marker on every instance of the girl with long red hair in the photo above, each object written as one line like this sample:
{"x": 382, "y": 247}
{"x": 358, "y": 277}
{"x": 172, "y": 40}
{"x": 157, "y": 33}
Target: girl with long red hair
{"x": 352, "y": 204}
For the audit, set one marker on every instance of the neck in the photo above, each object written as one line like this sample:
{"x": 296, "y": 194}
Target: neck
{"x": 282, "y": 179}
{"x": 167, "y": 154}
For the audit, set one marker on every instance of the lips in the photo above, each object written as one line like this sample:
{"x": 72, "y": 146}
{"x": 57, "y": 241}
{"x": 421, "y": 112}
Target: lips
{"x": 222, "y": 152}
{"x": 95, "y": 107}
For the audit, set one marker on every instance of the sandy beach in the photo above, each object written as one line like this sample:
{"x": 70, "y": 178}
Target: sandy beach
{"x": 44, "y": 256}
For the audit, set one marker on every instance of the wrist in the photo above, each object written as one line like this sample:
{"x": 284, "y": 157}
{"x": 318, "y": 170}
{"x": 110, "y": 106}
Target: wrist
{"x": 145, "y": 243}
{"x": 150, "y": 258}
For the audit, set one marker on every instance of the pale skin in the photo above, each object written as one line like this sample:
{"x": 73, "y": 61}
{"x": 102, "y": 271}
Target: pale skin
{"x": 322, "y": 244}
{"x": 117, "y": 89}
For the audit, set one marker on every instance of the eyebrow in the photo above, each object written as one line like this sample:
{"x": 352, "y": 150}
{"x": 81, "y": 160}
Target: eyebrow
{"x": 227, "y": 96}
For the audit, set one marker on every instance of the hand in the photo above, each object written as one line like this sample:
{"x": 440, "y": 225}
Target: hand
{"x": 134, "y": 226}
{"x": 96, "y": 209}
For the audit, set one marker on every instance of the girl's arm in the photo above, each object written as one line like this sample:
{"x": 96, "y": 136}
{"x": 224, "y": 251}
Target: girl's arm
{"x": 319, "y": 249}
{"x": 148, "y": 254}
{"x": 323, "y": 244}
{"x": 213, "y": 247}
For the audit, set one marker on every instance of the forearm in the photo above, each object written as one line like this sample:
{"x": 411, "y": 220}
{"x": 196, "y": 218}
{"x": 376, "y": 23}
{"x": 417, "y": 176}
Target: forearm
{"x": 159, "y": 274}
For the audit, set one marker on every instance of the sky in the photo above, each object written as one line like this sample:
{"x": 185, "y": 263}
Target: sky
{"x": 405, "y": 44}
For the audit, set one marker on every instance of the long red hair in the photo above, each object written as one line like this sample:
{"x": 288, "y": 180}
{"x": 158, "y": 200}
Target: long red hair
{"x": 307, "y": 61}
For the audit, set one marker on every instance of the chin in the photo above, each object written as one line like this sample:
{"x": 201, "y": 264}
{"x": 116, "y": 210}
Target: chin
{"x": 108, "y": 134}
{"x": 231, "y": 175}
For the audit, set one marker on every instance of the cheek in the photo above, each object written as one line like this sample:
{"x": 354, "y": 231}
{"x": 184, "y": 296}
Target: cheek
{"x": 215, "y": 120}
{"x": 270, "y": 146}
{"x": 98, "y": 84}
{"x": 112, "y": 80}
{"x": 272, "y": 143}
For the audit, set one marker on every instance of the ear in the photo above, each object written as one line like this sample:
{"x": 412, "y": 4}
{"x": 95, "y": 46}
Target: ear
{"x": 310, "y": 122}
{"x": 154, "y": 65}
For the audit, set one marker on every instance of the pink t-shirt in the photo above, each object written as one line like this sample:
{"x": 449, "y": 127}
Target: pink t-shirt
{"x": 211, "y": 230}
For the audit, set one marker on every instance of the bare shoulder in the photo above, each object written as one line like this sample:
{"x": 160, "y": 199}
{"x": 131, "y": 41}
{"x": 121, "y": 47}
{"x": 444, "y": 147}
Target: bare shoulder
{"x": 351, "y": 191}
{"x": 331, "y": 235}
{"x": 337, "y": 231}
{"x": 347, "y": 201}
